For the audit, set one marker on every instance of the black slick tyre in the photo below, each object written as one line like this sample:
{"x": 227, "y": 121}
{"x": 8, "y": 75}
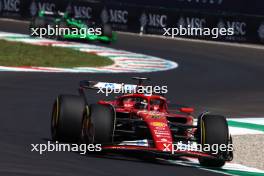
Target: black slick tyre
{"x": 67, "y": 118}
{"x": 98, "y": 124}
{"x": 213, "y": 130}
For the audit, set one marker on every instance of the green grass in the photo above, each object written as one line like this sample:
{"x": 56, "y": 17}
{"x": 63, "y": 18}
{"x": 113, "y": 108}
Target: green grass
{"x": 20, "y": 54}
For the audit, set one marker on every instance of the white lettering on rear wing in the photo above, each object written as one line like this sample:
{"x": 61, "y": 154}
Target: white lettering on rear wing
{"x": 116, "y": 87}
{"x": 109, "y": 88}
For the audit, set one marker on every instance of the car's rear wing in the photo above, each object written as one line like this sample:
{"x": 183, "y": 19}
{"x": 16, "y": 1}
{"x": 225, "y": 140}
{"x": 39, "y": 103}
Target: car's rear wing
{"x": 114, "y": 87}
{"x": 51, "y": 13}
{"x": 123, "y": 88}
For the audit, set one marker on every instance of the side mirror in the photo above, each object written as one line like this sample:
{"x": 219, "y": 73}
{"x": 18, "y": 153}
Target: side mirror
{"x": 186, "y": 110}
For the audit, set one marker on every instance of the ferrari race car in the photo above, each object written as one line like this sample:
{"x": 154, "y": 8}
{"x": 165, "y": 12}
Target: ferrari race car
{"x": 139, "y": 123}
{"x": 61, "y": 20}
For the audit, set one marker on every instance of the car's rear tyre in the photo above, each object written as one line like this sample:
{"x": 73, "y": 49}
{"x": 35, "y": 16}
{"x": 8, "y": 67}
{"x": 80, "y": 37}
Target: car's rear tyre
{"x": 67, "y": 118}
{"x": 212, "y": 130}
{"x": 36, "y": 22}
{"x": 39, "y": 22}
{"x": 52, "y": 26}
{"x": 98, "y": 124}
{"x": 61, "y": 25}
{"x": 107, "y": 31}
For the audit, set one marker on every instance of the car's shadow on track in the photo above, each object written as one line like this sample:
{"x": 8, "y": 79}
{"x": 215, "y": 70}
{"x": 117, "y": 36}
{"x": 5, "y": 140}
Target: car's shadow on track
{"x": 127, "y": 157}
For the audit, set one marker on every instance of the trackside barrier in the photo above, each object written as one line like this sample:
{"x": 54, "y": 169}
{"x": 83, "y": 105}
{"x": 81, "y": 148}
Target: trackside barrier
{"x": 151, "y": 16}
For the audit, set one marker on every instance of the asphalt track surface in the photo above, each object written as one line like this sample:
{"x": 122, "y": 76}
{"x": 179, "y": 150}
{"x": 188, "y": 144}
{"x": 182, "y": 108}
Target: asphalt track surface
{"x": 222, "y": 79}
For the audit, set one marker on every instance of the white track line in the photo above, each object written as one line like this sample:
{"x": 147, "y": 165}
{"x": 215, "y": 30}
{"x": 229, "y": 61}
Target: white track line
{"x": 124, "y": 61}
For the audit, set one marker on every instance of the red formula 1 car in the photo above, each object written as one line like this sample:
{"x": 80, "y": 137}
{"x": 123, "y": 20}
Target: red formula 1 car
{"x": 140, "y": 123}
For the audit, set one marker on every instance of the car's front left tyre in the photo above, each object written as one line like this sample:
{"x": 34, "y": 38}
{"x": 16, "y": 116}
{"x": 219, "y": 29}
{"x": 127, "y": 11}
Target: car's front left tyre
{"x": 66, "y": 118}
{"x": 213, "y": 130}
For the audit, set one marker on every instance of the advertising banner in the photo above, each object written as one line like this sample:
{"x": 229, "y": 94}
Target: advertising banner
{"x": 154, "y": 17}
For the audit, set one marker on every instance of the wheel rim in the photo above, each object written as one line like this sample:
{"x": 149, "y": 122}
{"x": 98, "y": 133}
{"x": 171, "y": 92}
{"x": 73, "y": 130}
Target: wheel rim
{"x": 87, "y": 133}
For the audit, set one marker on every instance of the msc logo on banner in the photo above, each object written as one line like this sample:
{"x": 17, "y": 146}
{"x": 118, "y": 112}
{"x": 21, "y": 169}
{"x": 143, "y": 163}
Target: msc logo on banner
{"x": 193, "y": 22}
{"x": 238, "y": 26}
{"x": 80, "y": 11}
{"x": 153, "y": 20}
{"x": 36, "y": 6}
{"x": 10, "y": 5}
{"x": 114, "y": 16}
{"x": 83, "y": 12}
{"x": 261, "y": 32}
